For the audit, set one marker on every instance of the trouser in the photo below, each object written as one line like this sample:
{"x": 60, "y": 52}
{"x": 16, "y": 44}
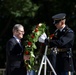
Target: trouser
{"x": 65, "y": 73}
{"x": 19, "y": 71}
{"x": 52, "y": 58}
{"x": 60, "y": 73}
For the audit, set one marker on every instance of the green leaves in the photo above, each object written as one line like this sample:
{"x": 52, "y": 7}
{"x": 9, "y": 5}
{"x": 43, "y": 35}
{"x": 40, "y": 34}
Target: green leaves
{"x": 34, "y": 46}
{"x": 30, "y": 45}
{"x": 21, "y": 8}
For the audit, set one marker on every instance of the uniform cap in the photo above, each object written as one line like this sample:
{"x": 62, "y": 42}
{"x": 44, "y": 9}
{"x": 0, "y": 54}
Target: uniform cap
{"x": 58, "y": 17}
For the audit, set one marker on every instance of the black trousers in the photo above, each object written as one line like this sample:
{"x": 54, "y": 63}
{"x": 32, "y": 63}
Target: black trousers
{"x": 19, "y": 71}
{"x": 65, "y": 73}
{"x": 52, "y": 58}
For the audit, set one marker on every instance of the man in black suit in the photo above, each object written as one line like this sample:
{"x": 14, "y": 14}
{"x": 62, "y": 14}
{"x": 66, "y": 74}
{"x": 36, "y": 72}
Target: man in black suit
{"x": 14, "y": 53}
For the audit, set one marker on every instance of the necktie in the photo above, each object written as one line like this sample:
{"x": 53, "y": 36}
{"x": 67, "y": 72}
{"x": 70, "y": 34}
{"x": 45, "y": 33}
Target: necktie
{"x": 20, "y": 45}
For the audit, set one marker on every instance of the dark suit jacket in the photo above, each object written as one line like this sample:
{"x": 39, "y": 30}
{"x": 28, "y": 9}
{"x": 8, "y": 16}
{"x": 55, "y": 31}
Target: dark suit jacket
{"x": 14, "y": 55}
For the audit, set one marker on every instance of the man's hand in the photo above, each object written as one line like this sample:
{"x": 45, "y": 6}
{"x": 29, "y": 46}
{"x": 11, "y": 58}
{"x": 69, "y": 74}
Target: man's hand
{"x": 26, "y": 57}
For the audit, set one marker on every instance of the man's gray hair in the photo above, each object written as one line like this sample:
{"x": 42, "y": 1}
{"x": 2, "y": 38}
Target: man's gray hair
{"x": 17, "y": 26}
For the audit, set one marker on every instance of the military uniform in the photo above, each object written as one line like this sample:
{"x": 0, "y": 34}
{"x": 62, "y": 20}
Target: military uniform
{"x": 63, "y": 40}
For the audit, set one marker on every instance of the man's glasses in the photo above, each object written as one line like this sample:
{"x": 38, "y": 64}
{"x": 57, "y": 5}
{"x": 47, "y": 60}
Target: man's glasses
{"x": 21, "y": 31}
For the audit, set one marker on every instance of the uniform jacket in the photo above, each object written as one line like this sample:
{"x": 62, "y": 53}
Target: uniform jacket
{"x": 63, "y": 39}
{"x": 14, "y": 55}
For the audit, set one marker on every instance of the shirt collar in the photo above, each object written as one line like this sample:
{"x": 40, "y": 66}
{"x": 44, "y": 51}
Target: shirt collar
{"x": 17, "y": 39}
{"x": 62, "y": 28}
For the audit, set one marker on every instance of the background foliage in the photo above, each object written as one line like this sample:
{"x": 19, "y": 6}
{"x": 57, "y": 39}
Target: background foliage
{"x": 30, "y": 13}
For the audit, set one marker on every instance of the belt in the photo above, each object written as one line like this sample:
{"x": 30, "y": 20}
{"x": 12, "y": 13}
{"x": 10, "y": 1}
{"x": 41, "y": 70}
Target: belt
{"x": 61, "y": 49}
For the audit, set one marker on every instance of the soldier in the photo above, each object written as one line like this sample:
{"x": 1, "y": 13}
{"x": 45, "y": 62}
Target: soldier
{"x": 63, "y": 42}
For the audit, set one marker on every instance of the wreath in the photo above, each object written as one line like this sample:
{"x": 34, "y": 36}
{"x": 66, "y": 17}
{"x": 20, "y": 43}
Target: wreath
{"x": 30, "y": 44}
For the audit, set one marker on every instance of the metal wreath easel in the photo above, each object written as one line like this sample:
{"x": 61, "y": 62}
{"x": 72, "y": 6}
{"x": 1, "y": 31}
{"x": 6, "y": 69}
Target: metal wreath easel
{"x": 44, "y": 62}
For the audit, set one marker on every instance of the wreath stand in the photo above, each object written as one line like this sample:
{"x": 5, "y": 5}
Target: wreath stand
{"x": 44, "y": 62}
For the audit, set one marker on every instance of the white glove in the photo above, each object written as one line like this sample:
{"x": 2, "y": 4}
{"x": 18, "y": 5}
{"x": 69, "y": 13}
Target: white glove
{"x": 42, "y": 37}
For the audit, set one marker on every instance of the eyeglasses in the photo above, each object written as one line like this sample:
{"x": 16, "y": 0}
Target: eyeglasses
{"x": 21, "y": 31}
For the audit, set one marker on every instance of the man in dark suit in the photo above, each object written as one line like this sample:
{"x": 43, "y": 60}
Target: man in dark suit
{"x": 14, "y": 53}
{"x": 62, "y": 41}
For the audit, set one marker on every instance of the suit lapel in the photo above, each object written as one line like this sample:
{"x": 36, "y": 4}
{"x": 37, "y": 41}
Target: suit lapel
{"x": 19, "y": 44}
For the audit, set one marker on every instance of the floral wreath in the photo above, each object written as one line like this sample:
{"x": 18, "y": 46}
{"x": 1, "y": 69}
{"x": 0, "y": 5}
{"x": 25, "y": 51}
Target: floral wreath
{"x": 30, "y": 45}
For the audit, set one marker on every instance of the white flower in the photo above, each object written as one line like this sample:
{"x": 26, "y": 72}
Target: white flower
{"x": 40, "y": 24}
